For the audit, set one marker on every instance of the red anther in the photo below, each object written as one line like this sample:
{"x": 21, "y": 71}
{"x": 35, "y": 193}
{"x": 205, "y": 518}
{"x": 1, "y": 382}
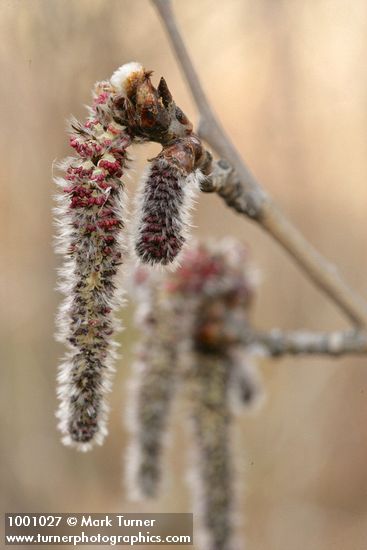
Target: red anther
{"x": 154, "y": 227}
{"x": 78, "y": 171}
{"x": 90, "y": 228}
{"x": 102, "y": 98}
{"x": 76, "y": 202}
{"x": 99, "y": 178}
{"x": 109, "y": 239}
{"x": 108, "y": 223}
{"x": 113, "y": 168}
{"x": 85, "y": 148}
{"x": 104, "y": 185}
{"x": 111, "y": 128}
{"x": 151, "y": 219}
{"x": 81, "y": 191}
{"x": 91, "y": 122}
{"x": 153, "y": 238}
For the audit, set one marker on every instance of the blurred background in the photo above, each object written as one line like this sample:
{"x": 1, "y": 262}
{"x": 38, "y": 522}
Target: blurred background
{"x": 288, "y": 80}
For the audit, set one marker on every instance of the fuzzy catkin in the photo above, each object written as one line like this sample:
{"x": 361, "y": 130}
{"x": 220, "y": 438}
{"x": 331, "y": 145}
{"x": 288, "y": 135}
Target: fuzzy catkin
{"x": 163, "y": 217}
{"x": 199, "y": 313}
{"x": 91, "y": 218}
{"x": 150, "y": 415}
{"x": 212, "y": 469}
{"x": 151, "y": 393}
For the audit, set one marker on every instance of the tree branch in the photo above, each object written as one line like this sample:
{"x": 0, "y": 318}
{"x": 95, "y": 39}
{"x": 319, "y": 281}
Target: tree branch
{"x": 279, "y": 343}
{"x": 242, "y": 192}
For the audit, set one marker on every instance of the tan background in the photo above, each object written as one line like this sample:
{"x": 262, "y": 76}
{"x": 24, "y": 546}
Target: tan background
{"x": 288, "y": 80}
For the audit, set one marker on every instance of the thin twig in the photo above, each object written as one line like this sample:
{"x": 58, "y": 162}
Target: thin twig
{"x": 243, "y": 193}
{"x": 277, "y": 342}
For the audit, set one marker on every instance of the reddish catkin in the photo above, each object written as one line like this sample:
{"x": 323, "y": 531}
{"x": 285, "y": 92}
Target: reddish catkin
{"x": 165, "y": 200}
{"x": 91, "y": 217}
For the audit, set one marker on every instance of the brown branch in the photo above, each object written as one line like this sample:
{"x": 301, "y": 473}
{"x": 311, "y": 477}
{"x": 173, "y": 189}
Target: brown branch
{"x": 277, "y": 342}
{"x": 241, "y": 191}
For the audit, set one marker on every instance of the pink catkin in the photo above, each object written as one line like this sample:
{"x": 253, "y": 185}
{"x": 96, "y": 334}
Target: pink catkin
{"x": 90, "y": 217}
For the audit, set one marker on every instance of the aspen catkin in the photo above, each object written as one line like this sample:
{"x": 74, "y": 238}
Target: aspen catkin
{"x": 91, "y": 217}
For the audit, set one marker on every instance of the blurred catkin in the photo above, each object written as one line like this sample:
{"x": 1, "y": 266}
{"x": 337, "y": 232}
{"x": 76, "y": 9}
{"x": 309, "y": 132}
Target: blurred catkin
{"x": 191, "y": 341}
{"x": 150, "y": 395}
{"x": 212, "y": 476}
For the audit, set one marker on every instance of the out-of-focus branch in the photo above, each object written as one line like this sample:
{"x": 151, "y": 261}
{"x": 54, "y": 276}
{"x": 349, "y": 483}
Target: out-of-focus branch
{"x": 233, "y": 181}
{"x": 277, "y": 342}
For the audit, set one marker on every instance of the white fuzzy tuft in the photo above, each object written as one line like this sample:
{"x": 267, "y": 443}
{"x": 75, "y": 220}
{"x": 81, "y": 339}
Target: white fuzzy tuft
{"x": 124, "y": 73}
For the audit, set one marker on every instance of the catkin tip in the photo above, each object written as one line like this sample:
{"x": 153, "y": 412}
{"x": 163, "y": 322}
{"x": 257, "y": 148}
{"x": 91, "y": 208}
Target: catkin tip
{"x": 123, "y": 76}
